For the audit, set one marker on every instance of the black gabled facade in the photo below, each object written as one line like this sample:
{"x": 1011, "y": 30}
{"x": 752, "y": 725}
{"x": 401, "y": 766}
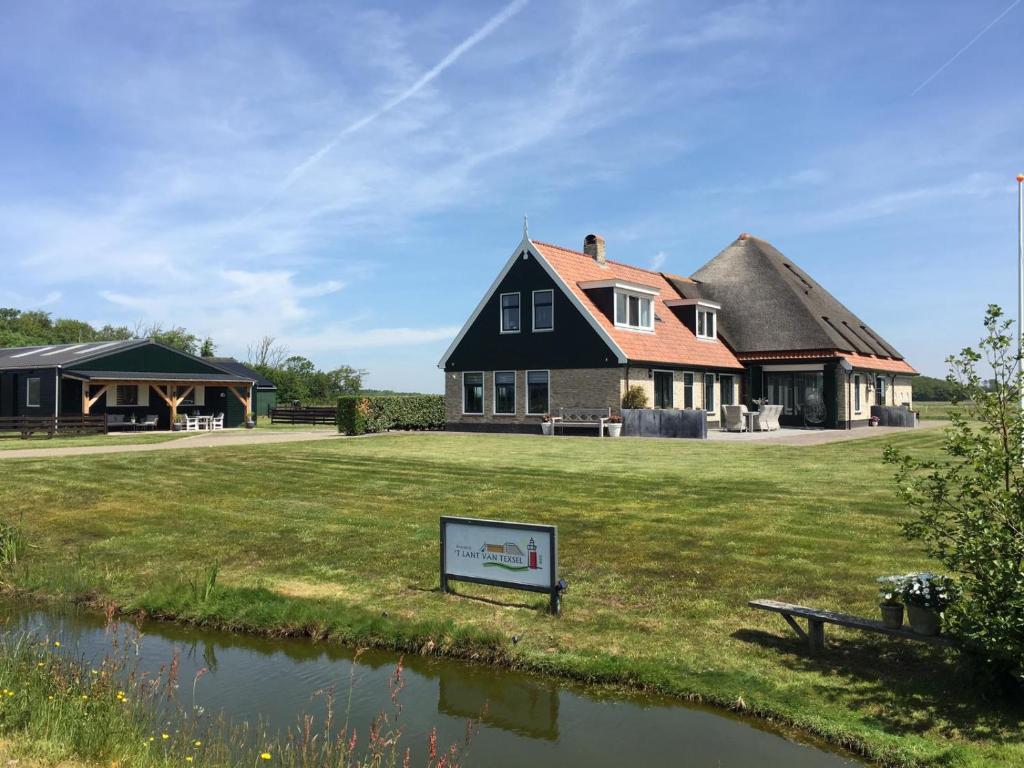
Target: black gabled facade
{"x": 572, "y": 344}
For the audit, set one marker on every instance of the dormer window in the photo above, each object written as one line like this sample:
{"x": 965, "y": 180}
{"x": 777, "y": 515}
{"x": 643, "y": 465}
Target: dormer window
{"x": 705, "y": 323}
{"x": 699, "y": 315}
{"x": 626, "y": 303}
{"x": 634, "y": 311}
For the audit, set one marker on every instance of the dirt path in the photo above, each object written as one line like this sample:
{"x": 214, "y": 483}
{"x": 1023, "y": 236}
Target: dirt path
{"x": 214, "y": 440}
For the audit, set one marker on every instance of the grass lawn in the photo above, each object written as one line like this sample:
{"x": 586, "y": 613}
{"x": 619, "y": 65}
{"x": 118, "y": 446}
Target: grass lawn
{"x": 933, "y": 411}
{"x": 662, "y": 543}
{"x": 13, "y": 443}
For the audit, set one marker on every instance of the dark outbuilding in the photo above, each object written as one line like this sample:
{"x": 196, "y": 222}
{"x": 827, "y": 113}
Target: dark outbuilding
{"x": 139, "y": 377}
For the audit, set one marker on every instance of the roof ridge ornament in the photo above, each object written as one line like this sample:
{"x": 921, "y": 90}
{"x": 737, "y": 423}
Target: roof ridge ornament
{"x": 526, "y": 227}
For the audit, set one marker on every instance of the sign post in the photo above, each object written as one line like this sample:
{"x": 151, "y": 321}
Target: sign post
{"x": 513, "y": 555}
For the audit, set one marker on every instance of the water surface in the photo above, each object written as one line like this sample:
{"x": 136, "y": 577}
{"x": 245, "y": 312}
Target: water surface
{"x": 530, "y": 720}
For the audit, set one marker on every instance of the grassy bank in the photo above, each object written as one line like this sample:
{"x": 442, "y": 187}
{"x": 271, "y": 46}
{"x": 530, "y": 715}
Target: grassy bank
{"x": 662, "y": 543}
{"x": 56, "y": 710}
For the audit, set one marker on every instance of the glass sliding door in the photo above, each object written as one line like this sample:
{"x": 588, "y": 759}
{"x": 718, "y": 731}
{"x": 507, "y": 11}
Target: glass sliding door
{"x": 801, "y": 396}
{"x": 663, "y": 389}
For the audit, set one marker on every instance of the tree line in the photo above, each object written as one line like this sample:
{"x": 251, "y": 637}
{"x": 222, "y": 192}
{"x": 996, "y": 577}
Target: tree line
{"x": 296, "y": 377}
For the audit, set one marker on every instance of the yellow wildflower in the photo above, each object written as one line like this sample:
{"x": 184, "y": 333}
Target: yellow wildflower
{"x": 198, "y": 743}
{"x": 164, "y": 736}
{"x": 265, "y": 756}
{"x": 85, "y": 696}
{"x": 56, "y": 643}
{"x": 188, "y": 759}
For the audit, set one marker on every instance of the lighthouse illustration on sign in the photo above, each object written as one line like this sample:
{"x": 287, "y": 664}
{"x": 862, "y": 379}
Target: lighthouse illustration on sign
{"x": 531, "y": 555}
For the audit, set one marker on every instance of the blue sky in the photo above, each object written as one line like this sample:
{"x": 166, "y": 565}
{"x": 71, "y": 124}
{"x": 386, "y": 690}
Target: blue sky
{"x": 349, "y": 178}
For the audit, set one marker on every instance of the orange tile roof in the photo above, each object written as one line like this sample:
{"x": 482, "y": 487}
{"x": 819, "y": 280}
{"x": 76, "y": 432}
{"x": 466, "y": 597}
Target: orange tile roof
{"x": 672, "y": 343}
{"x": 879, "y": 363}
{"x": 794, "y": 354}
{"x": 891, "y": 365}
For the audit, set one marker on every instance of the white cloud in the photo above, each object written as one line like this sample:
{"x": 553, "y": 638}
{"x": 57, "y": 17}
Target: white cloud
{"x": 659, "y": 260}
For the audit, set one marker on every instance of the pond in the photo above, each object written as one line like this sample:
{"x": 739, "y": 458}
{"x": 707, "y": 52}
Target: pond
{"x": 529, "y": 720}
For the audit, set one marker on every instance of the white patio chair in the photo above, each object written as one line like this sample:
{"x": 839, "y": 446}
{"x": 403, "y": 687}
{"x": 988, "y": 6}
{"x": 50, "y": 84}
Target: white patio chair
{"x": 217, "y": 422}
{"x": 191, "y": 423}
{"x": 768, "y": 418}
{"x": 735, "y": 418}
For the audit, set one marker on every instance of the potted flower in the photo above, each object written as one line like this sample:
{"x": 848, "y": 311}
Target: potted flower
{"x": 614, "y": 426}
{"x": 926, "y": 597}
{"x": 547, "y": 424}
{"x": 890, "y": 591}
{"x": 873, "y": 421}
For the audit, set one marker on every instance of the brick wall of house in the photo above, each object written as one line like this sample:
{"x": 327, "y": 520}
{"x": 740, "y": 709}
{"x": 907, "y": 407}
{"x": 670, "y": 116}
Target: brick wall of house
{"x": 570, "y": 388}
{"x": 567, "y": 387}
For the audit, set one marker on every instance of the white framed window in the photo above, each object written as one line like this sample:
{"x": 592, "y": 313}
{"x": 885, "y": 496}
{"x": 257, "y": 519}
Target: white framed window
{"x": 473, "y": 393}
{"x": 687, "y": 390}
{"x": 856, "y": 393}
{"x": 33, "y": 392}
{"x": 880, "y": 390}
{"x": 709, "y": 392}
{"x": 544, "y": 310}
{"x": 634, "y": 311}
{"x": 509, "y": 312}
{"x": 504, "y": 393}
{"x": 538, "y": 392}
{"x": 705, "y": 323}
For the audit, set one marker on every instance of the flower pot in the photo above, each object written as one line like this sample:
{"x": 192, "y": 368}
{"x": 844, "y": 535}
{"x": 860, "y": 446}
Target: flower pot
{"x": 614, "y": 430}
{"x": 924, "y": 621}
{"x": 250, "y": 424}
{"x": 547, "y": 427}
{"x": 892, "y": 615}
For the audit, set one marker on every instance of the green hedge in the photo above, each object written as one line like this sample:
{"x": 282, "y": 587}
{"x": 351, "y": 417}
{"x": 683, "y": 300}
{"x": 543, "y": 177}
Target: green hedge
{"x": 360, "y": 414}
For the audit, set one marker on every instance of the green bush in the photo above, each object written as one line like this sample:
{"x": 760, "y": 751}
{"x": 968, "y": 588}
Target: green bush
{"x": 361, "y": 414}
{"x": 635, "y": 397}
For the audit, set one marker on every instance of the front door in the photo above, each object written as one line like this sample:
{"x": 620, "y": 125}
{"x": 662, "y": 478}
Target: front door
{"x": 662, "y": 389}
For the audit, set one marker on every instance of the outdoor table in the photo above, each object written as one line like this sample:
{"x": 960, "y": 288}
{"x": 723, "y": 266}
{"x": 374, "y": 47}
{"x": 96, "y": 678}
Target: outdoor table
{"x": 751, "y": 417}
{"x": 204, "y": 421}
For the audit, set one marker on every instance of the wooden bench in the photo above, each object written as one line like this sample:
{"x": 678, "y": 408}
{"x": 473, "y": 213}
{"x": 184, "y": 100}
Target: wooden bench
{"x": 582, "y": 417}
{"x": 817, "y": 619}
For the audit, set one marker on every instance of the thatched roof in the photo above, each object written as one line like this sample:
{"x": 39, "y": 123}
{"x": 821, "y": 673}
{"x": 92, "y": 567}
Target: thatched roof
{"x": 770, "y": 304}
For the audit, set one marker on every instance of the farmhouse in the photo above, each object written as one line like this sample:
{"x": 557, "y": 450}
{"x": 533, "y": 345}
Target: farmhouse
{"x": 137, "y": 378}
{"x": 560, "y": 328}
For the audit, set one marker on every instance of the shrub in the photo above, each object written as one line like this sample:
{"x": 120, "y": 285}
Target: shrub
{"x": 970, "y": 504}
{"x": 635, "y": 397}
{"x": 362, "y": 414}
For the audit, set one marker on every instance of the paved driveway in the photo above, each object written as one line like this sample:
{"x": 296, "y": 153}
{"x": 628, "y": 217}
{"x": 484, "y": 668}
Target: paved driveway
{"x": 815, "y": 436}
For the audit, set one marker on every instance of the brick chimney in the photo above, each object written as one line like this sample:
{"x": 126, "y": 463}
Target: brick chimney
{"x": 593, "y": 246}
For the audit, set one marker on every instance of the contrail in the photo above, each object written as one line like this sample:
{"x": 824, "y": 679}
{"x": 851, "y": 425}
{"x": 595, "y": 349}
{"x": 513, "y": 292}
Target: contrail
{"x": 974, "y": 39}
{"x": 486, "y": 30}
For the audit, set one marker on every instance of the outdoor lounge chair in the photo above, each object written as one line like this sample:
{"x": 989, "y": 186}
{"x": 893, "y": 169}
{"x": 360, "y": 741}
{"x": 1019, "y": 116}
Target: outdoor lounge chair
{"x": 767, "y": 419}
{"x": 116, "y": 421}
{"x": 150, "y": 422}
{"x": 735, "y": 418}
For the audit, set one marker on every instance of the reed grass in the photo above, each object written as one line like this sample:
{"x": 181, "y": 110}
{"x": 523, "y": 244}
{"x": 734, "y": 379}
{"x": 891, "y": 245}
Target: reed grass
{"x": 57, "y": 710}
